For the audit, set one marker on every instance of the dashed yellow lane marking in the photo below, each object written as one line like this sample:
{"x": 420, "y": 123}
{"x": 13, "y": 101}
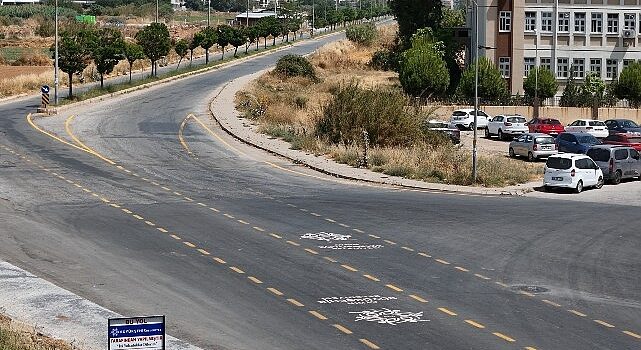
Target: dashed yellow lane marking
{"x": 127, "y": 171}
{"x": 178, "y": 193}
{"x": 357, "y": 230}
{"x": 482, "y": 277}
{"x": 347, "y": 267}
{"x": 86, "y": 190}
{"x": 475, "y": 324}
{"x": 275, "y": 235}
{"x": 343, "y": 225}
{"x": 145, "y": 179}
{"x": 369, "y": 344}
{"x": 126, "y": 210}
{"x": 243, "y": 222}
{"x": 303, "y": 210}
{"x": 504, "y": 337}
{"x": 105, "y": 200}
{"x": 220, "y": 261}
{"x": 134, "y": 174}
{"x": 526, "y": 293}
{"x": 138, "y": 217}
{"x": 114, "y": 205}
{"x": 551, "y": 303}
{"x": 295, "y": 302}
{"x": 529, "y": 348}
{"x": 461, "y": 269}
{"x": 202, "y": 204}
{"x": 188, "y": 199}
{"x": 634, "y": 335}
{"x": 393, "y": 287}
{"x": 189, "y": 244}
{"x": 260, "y": 229}
{"x": 371, "y": 278}
{"x": 237, "y": 270}
{"x": 408, "y": 249}
{"x": 69, "y": 181}
{"x": 176, "y": 237}
{"x": 255, "y": 280}
{"x": 229, "y": 216}
{"x": 502, "y": 284}
{"x": 417, "y": 298}
{"x": 155, "y": 183}
{"x": 291, "y": 205}
{"x": 166, "y": 188}
{"x": 389, "y": 242}
{"x": 446, "y": 311}
{"x": 161, "y": 229}
{"x": 275, "y": 291}
{"x": 78, "y": 185}
{"x": 425, "y": 255}
{"x": 330, "y": 220}
{"x": 605, "y": 324}
{"x": 329, "y": 259}
{"x": 293, "y": 243}
{"x": 120, "y": 167}
{"x": 442, "y": 261}
{"x": 150, "y": 223}
{"x": 311, "y": 251}
{"x": 318, "y": 315}
{"x": 95, "y": 195}
{"x": 374, "y": 236}
{"x": 214, "y": 209}
{"x": 203, "y": 252}
{"x": 577, "y": 313}
{"x": 342, "y": 329}
{"x": 316, "y": 214}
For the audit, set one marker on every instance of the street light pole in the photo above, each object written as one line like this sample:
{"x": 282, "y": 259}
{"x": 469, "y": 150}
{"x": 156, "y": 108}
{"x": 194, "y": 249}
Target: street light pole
{"x": 476, "y": 90}
{"x": 55, "y": 71}
{"x": 156, "y": 11}
{"x": 208, "y": 13}
{"x": 247, "y": 19}
{"x": 536, "y": 76}
{"x": 313, "y": 16}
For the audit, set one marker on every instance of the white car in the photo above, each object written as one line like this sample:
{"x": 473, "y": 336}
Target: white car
{"x": 464, "y": 119}
{"x": 596, "y": 128}
{"x": 569, "y": 170}
{"x": 506, "y": 125}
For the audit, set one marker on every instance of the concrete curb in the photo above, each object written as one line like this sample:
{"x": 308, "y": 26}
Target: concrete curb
{"x": 230, "y": 120}
{"x": 58, "y": 313}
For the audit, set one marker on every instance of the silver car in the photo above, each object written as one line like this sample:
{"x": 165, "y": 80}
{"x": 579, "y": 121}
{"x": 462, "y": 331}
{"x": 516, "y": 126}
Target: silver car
{"x": 533, "y": 146}
{"x": 617, "y": 162}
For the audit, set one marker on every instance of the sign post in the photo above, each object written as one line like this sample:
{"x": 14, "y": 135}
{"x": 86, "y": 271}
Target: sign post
{"x": 144, "y": 333}
{"x": 44, "y": 89}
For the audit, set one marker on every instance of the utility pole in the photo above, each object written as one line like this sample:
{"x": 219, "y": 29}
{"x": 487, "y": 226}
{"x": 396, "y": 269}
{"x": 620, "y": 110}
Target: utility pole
{"x": 536, "y": 77}
{"x": 247, "y": 19}
{"x": 156, "y": 11}
{"x": 476, "y": 91}
{"x": 313, "y": 16}
{"x": 55, "y": 72}
{"x": 208, "y": 13}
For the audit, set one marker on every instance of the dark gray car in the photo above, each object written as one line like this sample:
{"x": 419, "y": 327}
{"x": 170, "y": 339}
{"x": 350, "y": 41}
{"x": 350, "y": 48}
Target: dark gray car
{"x": 617, "y": 162}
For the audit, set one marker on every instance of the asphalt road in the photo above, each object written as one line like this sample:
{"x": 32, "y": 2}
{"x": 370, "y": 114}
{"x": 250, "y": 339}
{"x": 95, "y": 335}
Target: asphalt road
{"x": 242, "y": 250}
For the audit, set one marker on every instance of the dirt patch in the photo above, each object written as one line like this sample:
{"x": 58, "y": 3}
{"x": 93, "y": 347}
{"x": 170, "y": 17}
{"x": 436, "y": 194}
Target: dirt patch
{"x": 18, "y": 336}
{"x": 12, "y": 72}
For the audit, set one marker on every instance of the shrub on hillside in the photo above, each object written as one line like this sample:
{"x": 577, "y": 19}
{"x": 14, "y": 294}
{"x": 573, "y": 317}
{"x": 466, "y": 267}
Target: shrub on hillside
{"x": 294, "y": 65}
{"x": 363, "y": 34}
{"x": 385, "y": 60}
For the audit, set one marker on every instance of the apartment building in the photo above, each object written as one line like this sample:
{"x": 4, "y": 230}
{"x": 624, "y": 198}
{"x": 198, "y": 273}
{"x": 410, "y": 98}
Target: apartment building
{"x": 565, "y": 36}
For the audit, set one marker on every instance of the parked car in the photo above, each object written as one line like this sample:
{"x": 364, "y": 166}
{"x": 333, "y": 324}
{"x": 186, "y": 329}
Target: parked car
{"x": 622, "y": 125}
{"x": 596, "y": 128}
{"x": 546, "y": 125}
{"x": 569, "y": 170}
{"x": 631, "y": 140}
{"x": 464, "y": 118}
{"x": 533, "y": 146}
{"x": 616, "y": 162}
{"x": 575, "y": 142}
{"x": 506, "y": 125}
{"x": 446, "y": 128}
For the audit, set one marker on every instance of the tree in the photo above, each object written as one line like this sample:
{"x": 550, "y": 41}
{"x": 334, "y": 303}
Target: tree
{"x": 547, "y": 84}
{"x": 413, "y": 15}
{"x": 107, "y": 51}
{"x": 252, "y": 34}
{"x": 181, "y": 48}
{"x": 193, "y": 44}
{"x": 629, "y": 84}
{"x": 133, "y": 52}
{"x": 225, "y": 34}
{"x": 571, "y": 94}
{"x": 155, "y": 42}
{"x": 207, "y": 38}
{"x": 237, "y": 38}
{"x": 491, "y": 86}
{"x": 263, "y": 28}
{"x": 74, "y": 52}
{"x": 422, "y": 70}
{"x": 195, "y": 5}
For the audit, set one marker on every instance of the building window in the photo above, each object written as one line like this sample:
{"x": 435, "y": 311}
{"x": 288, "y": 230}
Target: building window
{"x": 546, "y": 21}
{"x": 504, "y": 66}
{"x": 564, "y": 22}
{"x": 611, "y": 69}
{"x": 579, "y": 22}
{"x": 562, "y": 67}
{"x": 578, "y": 67}
{"x": 529, "y": 63}
{"x": 630, "y": 21}
{"x": 530, "y": 21}
{"x": 627, "y": 63}
{"x": 595, "y": 66}
{"x": 505, "y": 21}
{"x": 546, "y": 63}
{"x": 597, "y": 23}
{"x": 613, "y": 23}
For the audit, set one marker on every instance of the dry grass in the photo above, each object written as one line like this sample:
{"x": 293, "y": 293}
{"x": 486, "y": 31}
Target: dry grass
{"x": 19, "y": 337}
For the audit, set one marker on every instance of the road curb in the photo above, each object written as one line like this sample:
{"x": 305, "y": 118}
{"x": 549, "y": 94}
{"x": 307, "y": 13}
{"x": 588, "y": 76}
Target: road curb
{"x": 229, "y": 119}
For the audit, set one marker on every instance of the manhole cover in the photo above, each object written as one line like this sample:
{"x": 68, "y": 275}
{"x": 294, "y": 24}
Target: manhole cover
{"x": 532, "y": 289}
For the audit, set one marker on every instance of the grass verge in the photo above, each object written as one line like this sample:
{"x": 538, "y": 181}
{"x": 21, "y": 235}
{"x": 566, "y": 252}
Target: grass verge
{"x": 16, "y": 337}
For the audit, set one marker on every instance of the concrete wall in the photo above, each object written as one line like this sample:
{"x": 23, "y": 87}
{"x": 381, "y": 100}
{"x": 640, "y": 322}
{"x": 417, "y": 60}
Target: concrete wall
{"x": 565, "y": 114}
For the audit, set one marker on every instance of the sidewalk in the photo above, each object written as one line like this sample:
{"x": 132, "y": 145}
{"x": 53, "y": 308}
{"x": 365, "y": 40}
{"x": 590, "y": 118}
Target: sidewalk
{"x": 229, "y": 119}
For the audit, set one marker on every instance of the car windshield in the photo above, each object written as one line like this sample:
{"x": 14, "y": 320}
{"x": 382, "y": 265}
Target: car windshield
{"x": 629, "y": 124}
{"x": 459, "y": 114}
{"x": 558, "y": 163}
{"x": 544, "y": 140}
{"x": 599, "y": 154}
{"x": 550, "y": 121}
{"x": 588, "y": 139}
{"x": 516, "y": 120}
{"x": 596, "y": 123}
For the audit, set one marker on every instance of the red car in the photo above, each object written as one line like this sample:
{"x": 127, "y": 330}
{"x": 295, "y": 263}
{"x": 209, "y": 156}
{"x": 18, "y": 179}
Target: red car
{"x": 631, "y": 140}
{"x": 546, "y": 126}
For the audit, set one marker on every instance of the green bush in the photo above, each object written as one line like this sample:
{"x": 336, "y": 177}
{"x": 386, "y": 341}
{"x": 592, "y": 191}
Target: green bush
{"x": 385, "y": 60}
{"x": 32, "y": 10}
{"x": 422, "y": 72}
{"x": 492, "y": 87}
{"x": 295, "y": 65}
{"x": 547, "y": 85}
{"x": 381, "y": 112}
{"x": 363, "y": 34}
{"x": 629, "y": 84}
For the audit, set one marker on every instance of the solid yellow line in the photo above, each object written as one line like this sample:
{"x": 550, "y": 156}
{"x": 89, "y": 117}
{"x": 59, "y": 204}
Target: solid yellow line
{"x": 275, "y": 291}
{"x": 461, "y": 269}
{"x": 446, "y": 311}
{"x": 318, "y": 315}
{"x": 180, "y": 135}
{"x": 295, "y": 302}
{"x": 393, "y": 287}
{"x": 219, "y": 260}
{"x": 577, "y": 313}
{"x": 369, "y": 344}
{"x": 255, "y": 280}
{"x": 189, "y": 244}
{"x": 235, "y": 269}
{"x": 551, "y": 303}
{"x": 416, "y": 297}
{"x": 347, "y": 267}
{"x": 311, "y": 251}
{"x": 329, "y": 259}
{"x": 634, "y": 335}
{"x": 603, "y": 323}
{"x": 275, "y": 235}
{"x": 372, "y": 278}
{"x": 293, "y": 243}
{"x": 161, "y": 229}
{"x": 504, "y": 337}
{"x": 203, "y": 252}
{"x": 82, "y": 147}
{"x": 475, "y": 324}
{"x": 342, "y": 329}
{"x": 442, "y": 261}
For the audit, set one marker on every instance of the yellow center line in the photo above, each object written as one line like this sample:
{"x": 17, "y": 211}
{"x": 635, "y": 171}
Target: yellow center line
{"x": 166, "y": 188}
{"x": 69, "y": 181}
{"x": 374, "y": 236}
{"x": 347, "y": 267}
{"x": 235, "y": 269}
{"x": 219, "y": 260}
{"x": 138, "y": 217}
{"x": 442, "y": 261}
{"x": 255, "y": 280}
{"x": 408, "y": 249}
{"x": 369, "y": 344}
{"x": 303, "y": 210}
{"x": 634, "y": 335}
{"x": 155, "y": 183}
{"x": 311, "y": 251}
{"x": 577, "y": 313}
{"x": 95, "y": 195}
{"x": 330, "y": 259}
{"x": 243, "y": 222}
{"x": 393, "y": 287}
{"x": 203, "y": 252}
{"x": 357, "y": 230}
{"x": 126, "y": 210}
{"x": 178, "y": 193}
{"x": 551, "y": 303}
{"x": 293, "y": 243}
{"x": 482, "y": 277}
{"x": 526, "y": 293}
{"x": 425, "y": 255}
{"x": 150, "y": 223}
{"x": 389, "y": 242}
{"x": 229, "y": 216}
{"x": 316, "y": 214}
{"x": 342, "y": 329}
{"x": 275, "y": 235}
{"x": 275, "y": 291}
{"x": 291, "y": 205}
{"x": 461, "y": 269}
{"x": 343, "y": 225}
{"x": 446, "y": 311}
{"x": 202, "y": 204}
{"x": 475, "y": 324}
{"x": 145, "y": 179}
{"x": 502, "y": 284}
{"x": 417, "y": 298}
{"x": 260, "y": 229}
{"x": 318, "y": 315}
{"x": 77, "y": 185}
{"x": 295, "y": 302}
{"x": 105, "y": 200}
{"x": 330, "y": 220}
{"x": 176, "y": 237}
{"x": 189, "y": 244}
{"x": 504, "y": 337}
{"x": 603, "y": 323}
{"x": 161, "y": 229}
{"x": 188, "y": 199}
{"x": 529, "y": 348}
{"x": 114, "y": 205}
{"x": 214, "y": 209}
{"x": 371, "y": 278}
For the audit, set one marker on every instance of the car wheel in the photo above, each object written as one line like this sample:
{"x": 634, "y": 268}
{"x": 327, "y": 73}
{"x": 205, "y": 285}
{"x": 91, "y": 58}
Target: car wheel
{"x": 501, "y": 136}
{"x": 579, "y": 187}
{"x": 471, "y": 126}
{"x": 547, "y": 189}
{"x": 487, "y": 133}
{"x": 599, "y": 183}
{"x": 617, "y": 178}
{"x": 512, "y": 154}
{"x": 530, "y": 157}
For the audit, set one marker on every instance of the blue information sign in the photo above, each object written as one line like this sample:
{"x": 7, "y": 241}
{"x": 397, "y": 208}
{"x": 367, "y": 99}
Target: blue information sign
{"x": 44, "y": 89}
{"x": 146, "y": 333}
